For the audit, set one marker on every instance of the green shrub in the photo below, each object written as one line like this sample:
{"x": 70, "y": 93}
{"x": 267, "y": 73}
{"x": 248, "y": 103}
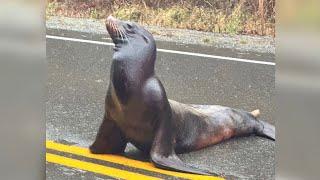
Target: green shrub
{"x": 130, "y": 13}
{"x": 234, "y": 24}
{"x": 208, "y": 16}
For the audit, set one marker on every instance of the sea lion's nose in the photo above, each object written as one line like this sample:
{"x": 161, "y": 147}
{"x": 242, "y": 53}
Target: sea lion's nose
{"x": 111, "y": 18}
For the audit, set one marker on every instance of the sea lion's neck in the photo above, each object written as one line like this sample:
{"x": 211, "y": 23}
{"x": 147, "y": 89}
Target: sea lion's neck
{"x": 133, "y": 69}
{"x": 136, "y": 57}
{"x": 130, "y": 70}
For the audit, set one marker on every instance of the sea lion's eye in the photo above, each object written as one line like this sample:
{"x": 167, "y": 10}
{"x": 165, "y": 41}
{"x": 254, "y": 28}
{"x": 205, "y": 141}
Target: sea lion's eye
{"x": 129, "y": 26}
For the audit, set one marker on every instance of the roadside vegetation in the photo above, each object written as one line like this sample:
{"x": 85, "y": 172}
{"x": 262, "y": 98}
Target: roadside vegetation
{"x": 254, "y": 17}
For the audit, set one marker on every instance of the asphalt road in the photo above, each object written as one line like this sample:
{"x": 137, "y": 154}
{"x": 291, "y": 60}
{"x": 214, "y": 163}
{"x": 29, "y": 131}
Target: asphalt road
{"x": 78, "y": 76}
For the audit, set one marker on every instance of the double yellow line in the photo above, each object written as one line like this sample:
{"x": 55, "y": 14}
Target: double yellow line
{"x": 110, "y": 171}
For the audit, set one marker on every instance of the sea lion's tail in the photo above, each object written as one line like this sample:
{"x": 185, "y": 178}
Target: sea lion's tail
{"x": 266, "y": 130}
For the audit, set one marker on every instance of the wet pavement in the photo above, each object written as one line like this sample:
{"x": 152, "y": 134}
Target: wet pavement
{"x": 78, "y": 76}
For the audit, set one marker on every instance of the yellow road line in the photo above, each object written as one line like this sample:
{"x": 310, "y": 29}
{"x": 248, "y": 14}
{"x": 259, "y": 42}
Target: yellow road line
{"x": 122, "y": 160}
{"x": 99, "y": 169}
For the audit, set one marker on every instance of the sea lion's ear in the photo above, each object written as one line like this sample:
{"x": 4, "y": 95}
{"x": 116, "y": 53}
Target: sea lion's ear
{"x": 145, "y": 39}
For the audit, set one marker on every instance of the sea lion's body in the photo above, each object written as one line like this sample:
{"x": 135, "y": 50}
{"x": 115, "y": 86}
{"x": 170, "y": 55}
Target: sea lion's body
{"x": 138, "y": 111}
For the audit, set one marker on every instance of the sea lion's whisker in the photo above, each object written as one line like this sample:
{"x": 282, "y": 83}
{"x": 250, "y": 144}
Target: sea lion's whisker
{"x": 118, "y": 32}
{"x": 111, "y": 26}
{"x": 122, "y": 33}
{"x": 126, "y": 37}
{"x": 113, "y": 29}
{"x": 116, "y": 29}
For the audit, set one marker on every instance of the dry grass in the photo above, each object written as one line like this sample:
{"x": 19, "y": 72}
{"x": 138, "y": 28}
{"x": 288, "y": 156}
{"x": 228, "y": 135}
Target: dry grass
{"x": 237, "y": 18}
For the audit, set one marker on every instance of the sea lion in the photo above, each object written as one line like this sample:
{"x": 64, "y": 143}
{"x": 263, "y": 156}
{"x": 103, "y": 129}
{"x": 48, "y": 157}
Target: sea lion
{"x": 138, "y": 111}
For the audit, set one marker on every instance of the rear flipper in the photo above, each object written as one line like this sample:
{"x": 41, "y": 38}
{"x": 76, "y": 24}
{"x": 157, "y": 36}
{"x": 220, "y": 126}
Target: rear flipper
{"x": 266, "y": 130}
{"x": 246, "y": 123}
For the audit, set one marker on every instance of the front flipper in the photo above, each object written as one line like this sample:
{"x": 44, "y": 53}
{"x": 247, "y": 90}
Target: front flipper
{"x": 109, "y": 140}
{"x": 172, "y": 162}
{"x": 162, "y": 151}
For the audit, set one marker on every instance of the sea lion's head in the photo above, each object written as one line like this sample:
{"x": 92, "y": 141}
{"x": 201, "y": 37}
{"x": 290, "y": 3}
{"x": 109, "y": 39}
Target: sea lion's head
{"x": 130, "y": 37}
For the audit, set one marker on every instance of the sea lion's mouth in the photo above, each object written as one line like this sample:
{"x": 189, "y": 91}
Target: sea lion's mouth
{"x": 115, "y": 29}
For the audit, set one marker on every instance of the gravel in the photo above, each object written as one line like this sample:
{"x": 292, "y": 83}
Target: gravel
{"x": 244, "y": 43}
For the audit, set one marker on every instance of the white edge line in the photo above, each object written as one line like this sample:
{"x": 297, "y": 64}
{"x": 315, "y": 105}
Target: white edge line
{"x": 166, "y": 50}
